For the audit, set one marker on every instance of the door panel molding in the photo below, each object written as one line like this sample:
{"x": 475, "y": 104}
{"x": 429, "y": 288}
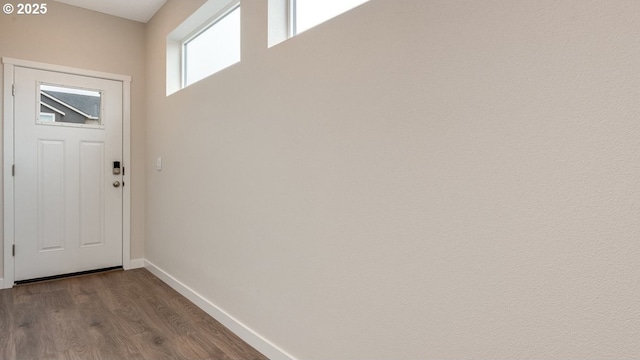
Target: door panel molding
{"x": 51, "y": 190}
{"x": 91, "y": 203}
{"x": 8, "y": 115}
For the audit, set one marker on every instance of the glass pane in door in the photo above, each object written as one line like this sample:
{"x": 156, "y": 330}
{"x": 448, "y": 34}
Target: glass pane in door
{"x": 60, "y": 105}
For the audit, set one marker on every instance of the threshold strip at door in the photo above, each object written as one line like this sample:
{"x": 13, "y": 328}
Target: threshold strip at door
{"x": 56, "y": 277}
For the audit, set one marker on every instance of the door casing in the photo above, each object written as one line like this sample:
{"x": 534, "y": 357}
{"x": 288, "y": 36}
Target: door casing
{"x": 8, "y": 156}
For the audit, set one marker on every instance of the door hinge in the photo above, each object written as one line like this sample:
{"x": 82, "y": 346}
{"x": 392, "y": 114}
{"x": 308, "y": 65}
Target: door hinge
{"x": 13, "y": 89}
{"x": 13, "y": 170}
{"x": 14, "y": 250}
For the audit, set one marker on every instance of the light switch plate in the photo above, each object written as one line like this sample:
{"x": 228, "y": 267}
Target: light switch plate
{"x": 159, "y": 163}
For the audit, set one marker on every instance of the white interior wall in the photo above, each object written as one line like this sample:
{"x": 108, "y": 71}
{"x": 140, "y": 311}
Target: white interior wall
{"x": 412, "y": 180}
{"x": 75, "y": 37}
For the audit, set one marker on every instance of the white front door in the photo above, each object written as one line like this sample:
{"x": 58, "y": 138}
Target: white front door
{"x": 68, "y": 198}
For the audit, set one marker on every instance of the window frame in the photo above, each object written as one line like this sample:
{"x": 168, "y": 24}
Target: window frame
{"x": 291, "y": 18}
{"x": 292, "y": 27}
{"x": 233, "y": 6}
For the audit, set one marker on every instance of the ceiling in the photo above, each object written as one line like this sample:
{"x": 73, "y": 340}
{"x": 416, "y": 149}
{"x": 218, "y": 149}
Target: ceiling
{"x": 138, "y": 10}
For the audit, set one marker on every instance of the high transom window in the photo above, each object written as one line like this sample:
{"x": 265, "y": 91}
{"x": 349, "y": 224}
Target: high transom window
{"x": 212, "y": 48}
{"x": 306, "y": 14}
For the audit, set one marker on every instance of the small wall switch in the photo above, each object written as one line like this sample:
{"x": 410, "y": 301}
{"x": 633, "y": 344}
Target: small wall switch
{"x": 159, "y": 163}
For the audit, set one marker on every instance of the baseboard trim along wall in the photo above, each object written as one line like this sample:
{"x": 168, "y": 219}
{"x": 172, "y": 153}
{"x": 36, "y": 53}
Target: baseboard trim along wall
{"x": 244, "y": 332}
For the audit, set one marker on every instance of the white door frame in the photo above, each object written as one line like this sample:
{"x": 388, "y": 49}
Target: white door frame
{"x": 8, "y": 158}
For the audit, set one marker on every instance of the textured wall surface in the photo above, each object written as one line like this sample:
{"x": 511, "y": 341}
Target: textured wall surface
{"x": 70, "y": 36}
{"x": 412, "y": 180}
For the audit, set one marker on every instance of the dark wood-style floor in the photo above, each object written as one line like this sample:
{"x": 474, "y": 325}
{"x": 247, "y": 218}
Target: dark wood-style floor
{"x": 119, "y": 315}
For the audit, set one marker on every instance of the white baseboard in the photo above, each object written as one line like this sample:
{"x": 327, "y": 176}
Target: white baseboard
{"x": 135, "y": 264}
{"x": 244, "y": 332}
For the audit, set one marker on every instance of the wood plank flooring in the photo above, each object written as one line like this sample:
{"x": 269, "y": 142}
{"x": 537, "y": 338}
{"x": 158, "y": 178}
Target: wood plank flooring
{"x": 118, "y": 315}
